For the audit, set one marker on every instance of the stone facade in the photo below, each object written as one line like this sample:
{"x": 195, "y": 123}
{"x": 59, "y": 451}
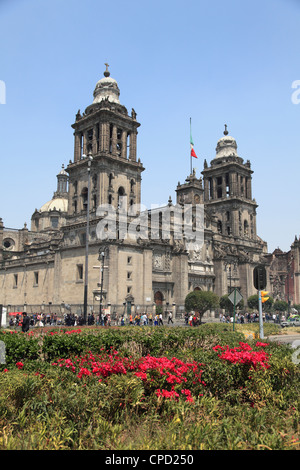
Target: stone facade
{"x": 44, "y": 268}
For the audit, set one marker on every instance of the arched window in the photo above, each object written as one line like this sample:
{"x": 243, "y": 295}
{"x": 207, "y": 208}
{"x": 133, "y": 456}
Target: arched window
{"x": 121, "y": 194}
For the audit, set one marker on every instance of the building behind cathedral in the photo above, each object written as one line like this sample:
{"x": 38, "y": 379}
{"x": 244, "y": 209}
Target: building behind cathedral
{"x": 43, "y": 268}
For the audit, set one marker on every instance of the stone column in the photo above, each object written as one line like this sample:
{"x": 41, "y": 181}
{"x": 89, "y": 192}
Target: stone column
{"x": 114, "y": 141}
{"x": 248, "y": 187}
{"x": 206, "y": 190}
{"x": 94, "y": 142}
{"x": 223, "y": 186}
{"x": 124, "y": 143}
{"x": 77, "y": 149}
{"x": 132, "y": 152}
{"x": 104, "y": 137}
{"x": 214, "y": 187}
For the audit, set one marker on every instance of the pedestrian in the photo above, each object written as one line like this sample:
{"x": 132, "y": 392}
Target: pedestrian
{"x": 25, "y": 322}
{"x": 170, "y": 319}
{"x": 160, "y": 319}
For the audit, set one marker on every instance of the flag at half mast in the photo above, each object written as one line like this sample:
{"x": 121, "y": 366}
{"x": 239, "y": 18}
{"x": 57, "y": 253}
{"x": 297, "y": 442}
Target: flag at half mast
{"x": 193, "y": 153}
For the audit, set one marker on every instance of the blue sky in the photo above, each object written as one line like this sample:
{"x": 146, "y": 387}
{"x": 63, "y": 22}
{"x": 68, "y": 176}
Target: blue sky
{"x": 215, "y": 61}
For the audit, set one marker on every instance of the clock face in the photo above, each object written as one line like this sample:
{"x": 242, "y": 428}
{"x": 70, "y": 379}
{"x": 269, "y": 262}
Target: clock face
{"x": 197, "y": 199}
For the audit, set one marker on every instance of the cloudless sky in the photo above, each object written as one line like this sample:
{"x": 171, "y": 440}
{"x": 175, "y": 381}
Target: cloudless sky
{"x": 214, "y": 61}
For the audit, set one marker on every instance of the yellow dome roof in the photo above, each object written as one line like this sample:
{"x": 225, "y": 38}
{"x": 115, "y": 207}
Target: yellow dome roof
{"x": 57, "y": 203}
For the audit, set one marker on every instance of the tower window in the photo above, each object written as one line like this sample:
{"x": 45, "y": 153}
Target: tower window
{"x": 54, "y": 222}
{"x": 79, "y": 274}
{"x": 36, "y": 278}
{"x": 81, "y": 146}
{"x": 219, "y": 226}
{"x": 97, "y": 136}
{"x": 227, "y": 184}
{"x": 15, "y": 281}
{"x": 210, "y": 188}
{"x": 219, "y": 186}
{"x": 110, "y": 137}
{"x": 121, "y": 194}
{"x": 84, "y": 195}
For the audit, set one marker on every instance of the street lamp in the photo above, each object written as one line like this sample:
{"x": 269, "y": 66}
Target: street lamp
{"x": 101, "y": 256}
{"x": 90, "y": 158}
{"x": 231, "y": 264}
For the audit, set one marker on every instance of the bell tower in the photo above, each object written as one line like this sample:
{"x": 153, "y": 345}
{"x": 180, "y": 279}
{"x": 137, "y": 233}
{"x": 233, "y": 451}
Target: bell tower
{"x": 228, "y": 199}
{"x": 227, "y": 191}
{"x": 108, "y": 133}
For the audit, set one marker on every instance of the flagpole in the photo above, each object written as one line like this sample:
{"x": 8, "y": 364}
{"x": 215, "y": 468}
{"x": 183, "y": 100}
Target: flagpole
{"x": 190, "y": 144}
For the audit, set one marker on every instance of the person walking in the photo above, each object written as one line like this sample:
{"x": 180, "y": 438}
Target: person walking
{"x": 25, "y": 322}
{"x": 170, "y": 318}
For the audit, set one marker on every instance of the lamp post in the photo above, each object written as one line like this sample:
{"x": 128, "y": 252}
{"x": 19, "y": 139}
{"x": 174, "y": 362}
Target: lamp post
{"x": 231, "y": 263}
{"x": 102, "y": 255}
{"x": 90, "y": 158}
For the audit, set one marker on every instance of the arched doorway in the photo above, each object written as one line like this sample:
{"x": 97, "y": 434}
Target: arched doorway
{"x": 158, "y": 298}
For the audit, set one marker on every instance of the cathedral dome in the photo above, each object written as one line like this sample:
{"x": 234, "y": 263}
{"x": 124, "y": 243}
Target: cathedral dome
{"x": 106, "y": 88}
{"x": 57, "y": 203}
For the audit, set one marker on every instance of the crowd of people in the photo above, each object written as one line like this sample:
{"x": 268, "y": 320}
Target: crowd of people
{"x": 35, "y": 319}
{"x": 103, "y": 319}
{"x": 138, "y": 319}
{"x": 251, "y": 317}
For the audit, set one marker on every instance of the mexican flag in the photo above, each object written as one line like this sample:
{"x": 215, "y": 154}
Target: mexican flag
{"x": 193, "y": 154}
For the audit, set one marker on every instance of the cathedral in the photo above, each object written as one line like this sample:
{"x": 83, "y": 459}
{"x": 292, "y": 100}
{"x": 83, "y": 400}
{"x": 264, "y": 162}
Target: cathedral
{"x": 62, "y": 263}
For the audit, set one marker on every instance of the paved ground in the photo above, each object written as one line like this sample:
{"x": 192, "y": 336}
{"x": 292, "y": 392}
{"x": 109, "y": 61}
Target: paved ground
{"x": 286, "y": 338}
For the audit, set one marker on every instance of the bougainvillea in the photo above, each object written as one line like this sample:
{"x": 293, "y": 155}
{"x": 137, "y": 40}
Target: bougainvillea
{"x": 159, "y": 374}
{"x": 244, "y": 354}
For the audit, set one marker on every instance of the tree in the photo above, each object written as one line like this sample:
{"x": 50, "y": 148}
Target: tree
{"x": 201, "y": 301}
{"x": 253, "y": 303}
{"x": 280, "y": 306}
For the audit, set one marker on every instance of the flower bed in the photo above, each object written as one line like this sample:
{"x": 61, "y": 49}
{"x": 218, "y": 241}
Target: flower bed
{"x": 148, "y": 388}
{"x": 154, "y": 372}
